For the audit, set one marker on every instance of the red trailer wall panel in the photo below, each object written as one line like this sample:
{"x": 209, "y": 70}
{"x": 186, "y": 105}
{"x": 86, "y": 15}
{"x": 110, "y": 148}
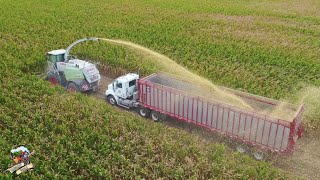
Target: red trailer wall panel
{"x": 249, "y": 127}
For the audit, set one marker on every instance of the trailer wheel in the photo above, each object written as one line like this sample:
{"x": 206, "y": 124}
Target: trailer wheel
{"x": 144, "y": 112}
{"x": 155, "y": 116}
{"x": 111, "y": 100}
{"x": 258, "y": 155}
{"x": 72, "y": 87}
{"x": 241, "y": 149}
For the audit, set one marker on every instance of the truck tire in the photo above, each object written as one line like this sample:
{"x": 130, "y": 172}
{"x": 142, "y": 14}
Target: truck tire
{"x": 144, "y": 112}
{"x": 73, "y": 87}
{"x": 53, "y": 79}
{"x": 155, "y": 116}
{"x": 258, "y": 155}
{"x": 241, "y": 149}
{"x": 112, "y": 100}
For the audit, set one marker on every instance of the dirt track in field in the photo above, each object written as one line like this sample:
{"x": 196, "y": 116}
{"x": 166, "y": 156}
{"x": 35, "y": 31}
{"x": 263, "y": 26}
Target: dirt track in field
{"x": 305, "y": 161}
{"x": 106, "y": 79}
{"x": 104, "y": 82}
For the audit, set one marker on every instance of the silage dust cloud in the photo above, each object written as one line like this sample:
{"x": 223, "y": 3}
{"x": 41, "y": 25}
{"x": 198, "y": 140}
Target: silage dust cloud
{"x": 168, "y": 65}
{"x": 283, "y": 111}
{"x": 204, "y": 86}
{"x": 310, "y": 97}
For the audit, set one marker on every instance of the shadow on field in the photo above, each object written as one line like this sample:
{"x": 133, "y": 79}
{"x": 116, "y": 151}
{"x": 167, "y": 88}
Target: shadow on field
{"x": 214, "y": 137}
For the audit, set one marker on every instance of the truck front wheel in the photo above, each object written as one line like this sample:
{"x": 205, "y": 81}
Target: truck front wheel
{"x": 111, "y": 100}
{"x": 144, "y": 112}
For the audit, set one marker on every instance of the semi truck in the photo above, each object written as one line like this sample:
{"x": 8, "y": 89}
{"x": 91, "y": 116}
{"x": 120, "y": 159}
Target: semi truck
{"x": 165, "y": 94}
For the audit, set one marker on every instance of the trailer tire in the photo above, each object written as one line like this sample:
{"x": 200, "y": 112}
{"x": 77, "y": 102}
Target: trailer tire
{"x": 73, "y": 87}
{"x": 112, "y": 100}
{"x": 155, "y": 116}
{"x": 241, "y": 149}
{"x": 144, "y": 112}
{"x": 258, "y": 155}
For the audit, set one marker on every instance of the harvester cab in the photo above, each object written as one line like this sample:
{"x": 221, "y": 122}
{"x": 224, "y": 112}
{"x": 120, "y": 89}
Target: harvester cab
{"x": 56, "y": 56}
{"x": 123, "y": 91}
{"x": 70, "y": 72}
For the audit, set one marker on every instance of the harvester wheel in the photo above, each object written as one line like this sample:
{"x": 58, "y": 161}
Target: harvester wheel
{"x": 144, "y": 112}
{"x": 155, "y": 116}
{"x": 111, "y": 100}
{"x": 53, "y": 79}
{"x": 72, "y": 87}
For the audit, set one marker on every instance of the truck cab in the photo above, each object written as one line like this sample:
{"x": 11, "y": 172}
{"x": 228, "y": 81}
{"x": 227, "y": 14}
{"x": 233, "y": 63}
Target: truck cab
{"x": 123, "y": 91}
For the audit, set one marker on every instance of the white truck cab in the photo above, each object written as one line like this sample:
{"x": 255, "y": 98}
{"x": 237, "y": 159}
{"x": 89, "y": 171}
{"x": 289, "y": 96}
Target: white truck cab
{"x": 123, "y": 91}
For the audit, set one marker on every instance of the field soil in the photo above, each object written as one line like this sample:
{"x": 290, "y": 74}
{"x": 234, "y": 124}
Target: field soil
{"x": 305, "y": 161}
{"x": 104, "y": 82}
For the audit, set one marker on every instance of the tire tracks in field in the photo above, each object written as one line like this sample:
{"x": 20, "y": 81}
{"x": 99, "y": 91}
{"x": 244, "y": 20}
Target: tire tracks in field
{"x": 305, "y": 161}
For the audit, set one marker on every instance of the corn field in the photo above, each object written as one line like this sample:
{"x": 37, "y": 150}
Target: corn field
{"x": 267, "y": 48}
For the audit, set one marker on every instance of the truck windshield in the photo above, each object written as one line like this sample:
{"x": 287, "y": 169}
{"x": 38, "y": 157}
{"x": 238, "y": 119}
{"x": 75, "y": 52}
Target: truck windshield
{"x": 132, "y": 83}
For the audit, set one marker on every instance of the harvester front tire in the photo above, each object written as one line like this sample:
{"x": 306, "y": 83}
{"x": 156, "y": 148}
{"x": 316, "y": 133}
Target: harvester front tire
{"x": 155, "y": 116}
{"x": 112, "y": 100}
{"x": 53, "y": 79}
{"x": 73, "y": 87}
{"x": 144, "y": 112}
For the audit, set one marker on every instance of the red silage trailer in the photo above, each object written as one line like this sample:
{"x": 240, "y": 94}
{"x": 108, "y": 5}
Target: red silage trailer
{"x": 166, "y": 94}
